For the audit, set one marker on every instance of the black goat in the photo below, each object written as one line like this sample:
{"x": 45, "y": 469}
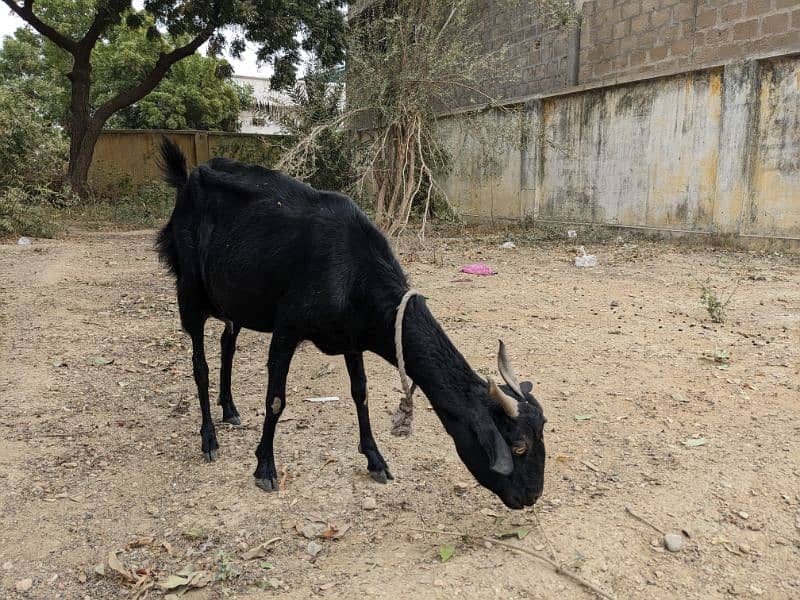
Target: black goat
{"x": 260, "y": 250}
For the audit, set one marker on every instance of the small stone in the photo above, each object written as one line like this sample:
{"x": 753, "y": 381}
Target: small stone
{"x": 614, "y": 303}
{"x": 488, "y": 545}
{"x": 438, "y": 583}
{"x": 23, "y": 585}
{"x": 743, "y": 515}
{"x": 369, "y": 503}
{"x": 461, "y": 487}
{"x": 755, "y": 590}
{"x": 744, "y": 548}
{"x": 8, "y": 565}
{"x": 314, "y": 548}
{"x": 673, "y": 542}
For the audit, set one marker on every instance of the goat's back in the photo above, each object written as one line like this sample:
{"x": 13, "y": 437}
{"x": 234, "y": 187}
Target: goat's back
{"x": 253, "y": 241}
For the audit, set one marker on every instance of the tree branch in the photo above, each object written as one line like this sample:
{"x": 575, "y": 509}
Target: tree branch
{"x": 25, "y": 12}
{"x": 102, "y": 19}
{"x": 164, "y": 62}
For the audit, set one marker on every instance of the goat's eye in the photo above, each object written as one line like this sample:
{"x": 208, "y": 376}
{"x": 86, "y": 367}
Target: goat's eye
{"x": 520, "y": 449}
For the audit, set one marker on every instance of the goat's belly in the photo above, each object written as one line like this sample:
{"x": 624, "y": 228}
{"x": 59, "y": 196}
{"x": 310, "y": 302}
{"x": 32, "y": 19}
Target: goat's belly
{"x": 337, "y": 342}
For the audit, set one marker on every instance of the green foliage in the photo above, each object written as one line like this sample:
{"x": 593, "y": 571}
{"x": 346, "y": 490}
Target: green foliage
{"x": 225, "y": 568}
{"x": 32, "y": 151}
{"x": 714, "y": 305}
{"x": 138, "y": 207}
{"x": 317, "y": 103}
{"x": 197, "y": 93}
{"x": 164, "y": 33}
{"x": 22, "y": 214}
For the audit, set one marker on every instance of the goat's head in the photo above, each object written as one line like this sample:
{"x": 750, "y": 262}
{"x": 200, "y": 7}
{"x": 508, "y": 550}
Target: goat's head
{"x": 509, "y": 455}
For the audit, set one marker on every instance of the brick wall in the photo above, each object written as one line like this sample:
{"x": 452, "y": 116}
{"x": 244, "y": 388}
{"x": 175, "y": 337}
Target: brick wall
{"x": 537, "y": 55}
{"x": 626, "y": 38}
{"x": 536, "y": 59}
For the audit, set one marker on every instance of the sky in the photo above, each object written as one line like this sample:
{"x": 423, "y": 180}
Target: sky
{"x": 9, "y": 22}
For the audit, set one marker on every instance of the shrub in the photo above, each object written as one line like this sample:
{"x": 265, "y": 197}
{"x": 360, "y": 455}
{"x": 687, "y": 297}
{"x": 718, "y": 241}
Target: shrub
{"x": 22, "y": 214}
{"x": 33, "y": 150}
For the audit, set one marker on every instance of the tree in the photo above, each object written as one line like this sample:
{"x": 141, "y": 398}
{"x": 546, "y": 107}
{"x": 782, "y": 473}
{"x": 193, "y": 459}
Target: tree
{"x": 197, "y": 93}
{"x": 279, "y": 28}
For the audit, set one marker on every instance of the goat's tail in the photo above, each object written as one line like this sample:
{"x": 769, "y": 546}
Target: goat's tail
{"x": 172, "y": 163}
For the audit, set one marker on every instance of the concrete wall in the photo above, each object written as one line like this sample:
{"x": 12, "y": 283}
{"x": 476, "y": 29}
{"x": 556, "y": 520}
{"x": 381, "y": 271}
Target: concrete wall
{"x": 709, "y": 151}
{"x": 129, "y": 155}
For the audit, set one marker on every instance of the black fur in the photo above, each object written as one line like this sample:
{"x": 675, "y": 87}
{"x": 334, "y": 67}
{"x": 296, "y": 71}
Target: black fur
{"x": 257, "y": 249}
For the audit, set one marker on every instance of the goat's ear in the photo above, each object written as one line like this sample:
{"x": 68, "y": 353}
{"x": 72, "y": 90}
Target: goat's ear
{"x": 495, "y": 446}
{"x": 526, "y": 387}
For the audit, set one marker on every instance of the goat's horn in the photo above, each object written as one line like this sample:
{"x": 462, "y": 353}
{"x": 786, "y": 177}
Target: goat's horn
{"x": 507, "y": 371}
{"x": 509, "y": 404}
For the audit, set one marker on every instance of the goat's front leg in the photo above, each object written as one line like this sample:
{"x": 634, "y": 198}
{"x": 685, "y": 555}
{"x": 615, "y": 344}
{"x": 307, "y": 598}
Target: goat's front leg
{"x": 228, "y": 347}
{"x": 378, "y": 469}
{"x": 281, "y": 350}
{"x": 208, "y": 434}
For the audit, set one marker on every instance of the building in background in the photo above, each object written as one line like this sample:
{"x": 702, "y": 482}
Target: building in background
{"x": 262, "y": 117}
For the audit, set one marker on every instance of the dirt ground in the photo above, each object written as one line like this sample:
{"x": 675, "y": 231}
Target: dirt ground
{"x": 100, "y": 451}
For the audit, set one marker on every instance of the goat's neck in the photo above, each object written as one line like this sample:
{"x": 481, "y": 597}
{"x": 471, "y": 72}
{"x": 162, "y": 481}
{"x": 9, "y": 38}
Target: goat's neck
{"x": 434, "y": 363}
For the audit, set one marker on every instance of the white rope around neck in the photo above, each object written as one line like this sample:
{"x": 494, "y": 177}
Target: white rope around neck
{"x": 401, "y": 422}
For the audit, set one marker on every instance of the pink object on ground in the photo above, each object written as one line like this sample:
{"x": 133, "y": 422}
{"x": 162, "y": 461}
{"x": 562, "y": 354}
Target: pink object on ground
{"x": 478, "y": 269}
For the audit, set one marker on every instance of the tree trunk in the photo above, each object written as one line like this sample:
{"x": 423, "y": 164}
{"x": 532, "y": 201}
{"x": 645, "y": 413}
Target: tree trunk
{"x": 81, "y": 151}
{"x": 83, "y": 131}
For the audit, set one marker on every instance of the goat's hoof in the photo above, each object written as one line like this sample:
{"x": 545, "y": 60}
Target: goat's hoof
{"x": 268, "y": 485}
{"x": 210, "y": 456}
{"x": 232, "y": 420}
{"x": 382, "y": 476}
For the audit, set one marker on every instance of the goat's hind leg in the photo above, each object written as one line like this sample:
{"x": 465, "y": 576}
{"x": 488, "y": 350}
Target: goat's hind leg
{"x": 195, "y": 325}
{"x": 376, "y": 465}
{"x": 228, "y": 345}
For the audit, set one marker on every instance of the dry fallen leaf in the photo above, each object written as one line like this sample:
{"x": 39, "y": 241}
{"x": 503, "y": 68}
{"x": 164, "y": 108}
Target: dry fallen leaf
{"x": 199, "y": 579}
{"x": 334, "y": 531}
{"x": 116, "y": 565}
{"x": 260, "y": 550}
{"x": 172, "y": 582}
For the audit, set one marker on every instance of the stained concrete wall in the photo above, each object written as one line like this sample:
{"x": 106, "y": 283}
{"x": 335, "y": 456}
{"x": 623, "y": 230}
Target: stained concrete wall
{"x": 709, "y": 151}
